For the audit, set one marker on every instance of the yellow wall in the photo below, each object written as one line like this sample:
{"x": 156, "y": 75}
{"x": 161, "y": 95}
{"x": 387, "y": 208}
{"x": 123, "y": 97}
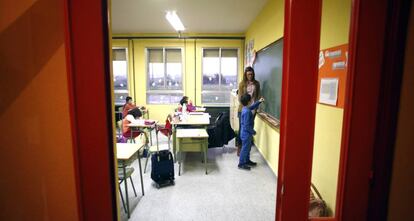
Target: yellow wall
{"x": 402, "y": 189}
{"x": 36, "y": 161}
{"x": 191, "y": 67}
{"x": 335, "y": 22}
{"x": 326, "y": 151}
{"x": 265, "y": 29}
{"x": 336, "y": 17}
{"x": 268, "y": 25}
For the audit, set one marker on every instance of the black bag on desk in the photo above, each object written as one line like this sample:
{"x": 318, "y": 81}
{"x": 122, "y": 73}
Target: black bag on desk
{"x": 162, "y": 168}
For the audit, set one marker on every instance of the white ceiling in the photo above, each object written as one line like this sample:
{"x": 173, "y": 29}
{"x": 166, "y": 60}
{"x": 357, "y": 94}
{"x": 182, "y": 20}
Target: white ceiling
{"x": 198, "y": 16}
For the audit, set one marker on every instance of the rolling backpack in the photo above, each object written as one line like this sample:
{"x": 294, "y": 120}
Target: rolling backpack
{"x": 162, "y": 167}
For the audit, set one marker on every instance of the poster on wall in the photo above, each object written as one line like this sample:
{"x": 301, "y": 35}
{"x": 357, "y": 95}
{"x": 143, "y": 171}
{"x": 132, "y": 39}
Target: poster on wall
{"x": 249, "y": 53}
{"x": 333, "y": 68}
{"x": 328, "y": 92}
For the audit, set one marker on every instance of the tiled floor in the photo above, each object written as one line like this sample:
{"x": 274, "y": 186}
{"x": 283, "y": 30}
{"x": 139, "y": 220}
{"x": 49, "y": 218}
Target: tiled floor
{"x": 226, "y": 193}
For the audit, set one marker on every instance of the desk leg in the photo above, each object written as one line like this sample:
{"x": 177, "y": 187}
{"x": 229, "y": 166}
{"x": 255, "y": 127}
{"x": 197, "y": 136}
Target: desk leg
{"x": 179, "y": 164}
{"x": 132, "y": 129}
{"x": 175, "y": 143}
{"x": 126, "y": 191}
{"x": 132, "y": 139}
{"x": 205, "y": 154}
{"x": 150, "y": 135}
{"x": 180, "y": 158}
{"x": 140, "y": 173}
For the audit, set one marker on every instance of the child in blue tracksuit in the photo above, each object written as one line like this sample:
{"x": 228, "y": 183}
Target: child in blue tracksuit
{"x": 247, "y": 131}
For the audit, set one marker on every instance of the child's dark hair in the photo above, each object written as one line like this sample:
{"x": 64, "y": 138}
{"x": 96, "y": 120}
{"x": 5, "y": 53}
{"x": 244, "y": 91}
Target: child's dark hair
{"x": 127, "y": 99}
{"x": 245, "y": 99}
{"x": 135, "y": 112}
{"x": 184, "y": 100}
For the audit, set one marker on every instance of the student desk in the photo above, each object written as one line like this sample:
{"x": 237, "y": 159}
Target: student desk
{"x": 194, "y": 120}
{"x": 192, "y": 140}
{"x": 124, "y": 155}
{"x": 141, "y": 126}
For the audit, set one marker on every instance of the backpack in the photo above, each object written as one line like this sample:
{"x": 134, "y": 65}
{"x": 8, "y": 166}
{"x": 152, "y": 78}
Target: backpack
{"x": 317, "y": 206}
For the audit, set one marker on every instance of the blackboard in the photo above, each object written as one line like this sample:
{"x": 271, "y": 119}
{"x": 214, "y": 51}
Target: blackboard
{"x": 268, "y": 71}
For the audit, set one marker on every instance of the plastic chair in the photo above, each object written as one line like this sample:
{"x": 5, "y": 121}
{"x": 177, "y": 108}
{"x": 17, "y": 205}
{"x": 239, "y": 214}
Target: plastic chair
{"x": 121, "y": 178}
{"x": 167, "y": 131}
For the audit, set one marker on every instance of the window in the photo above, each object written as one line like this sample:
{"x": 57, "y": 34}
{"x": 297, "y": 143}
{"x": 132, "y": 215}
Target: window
{"x": 219, "y": 75}
{"x": 120, "y": 72}
{"x": 165, "y": 73}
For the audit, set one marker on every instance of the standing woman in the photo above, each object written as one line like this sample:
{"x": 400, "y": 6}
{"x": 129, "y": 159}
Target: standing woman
{"x": 250, "y": 86}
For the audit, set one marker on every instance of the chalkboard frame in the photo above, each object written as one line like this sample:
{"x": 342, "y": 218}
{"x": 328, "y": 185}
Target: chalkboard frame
{"x": 270, "y": 119}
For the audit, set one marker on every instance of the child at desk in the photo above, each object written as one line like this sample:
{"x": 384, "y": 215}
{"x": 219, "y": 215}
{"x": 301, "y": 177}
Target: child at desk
{"x": 132, "y": 116}
{"x": 186, "y": 105}
{"x": 129, "y": 104}
{"x": 247, "y": 131}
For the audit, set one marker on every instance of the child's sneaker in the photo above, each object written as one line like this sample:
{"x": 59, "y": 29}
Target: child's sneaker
{"x": 251, "y": 163}
{"x": 244, "y": 167}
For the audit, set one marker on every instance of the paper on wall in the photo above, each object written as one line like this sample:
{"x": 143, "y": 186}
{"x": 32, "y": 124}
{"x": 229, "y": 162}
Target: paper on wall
{"x": 328, "y": 93}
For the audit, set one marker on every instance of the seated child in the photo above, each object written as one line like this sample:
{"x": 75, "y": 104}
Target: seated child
{"x": 187, "y": 103}
{"x": 129, "y": 104}
{"x": 132, "y": 116}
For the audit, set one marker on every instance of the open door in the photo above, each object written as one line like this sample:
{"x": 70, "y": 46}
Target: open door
{"x": 376, "y": 47}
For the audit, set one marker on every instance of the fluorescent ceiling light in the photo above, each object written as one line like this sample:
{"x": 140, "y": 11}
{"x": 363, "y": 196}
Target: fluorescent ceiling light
{"x": 174, "y": 20}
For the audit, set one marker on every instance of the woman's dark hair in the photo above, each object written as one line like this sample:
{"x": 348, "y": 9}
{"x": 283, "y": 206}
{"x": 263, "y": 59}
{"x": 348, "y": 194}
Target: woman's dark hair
{"x": 127, "y": 99}
{"x": 135, "y": 112}
{"x": 184, "y": 100}
{"x": 247, "y": 69}
{"x": 245, "y": 99}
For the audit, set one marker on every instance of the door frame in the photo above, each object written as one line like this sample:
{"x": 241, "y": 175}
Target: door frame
{"x": 87, "y": 51}
{"x": 297, "y": 121}
{"x": 376, "y": 48}
{"x": 89, "y": 84}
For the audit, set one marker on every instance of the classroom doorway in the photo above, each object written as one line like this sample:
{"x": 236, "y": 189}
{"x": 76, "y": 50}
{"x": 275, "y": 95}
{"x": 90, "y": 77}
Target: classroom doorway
{"x": 99, "y": 202}
{"x": 156, "y": 66}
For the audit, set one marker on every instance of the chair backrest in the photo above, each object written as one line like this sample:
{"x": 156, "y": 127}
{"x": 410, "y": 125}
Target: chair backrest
{"x": 219, "y": 117}
{"x": 119, "y": 124}
{"x": 167, "y": 129}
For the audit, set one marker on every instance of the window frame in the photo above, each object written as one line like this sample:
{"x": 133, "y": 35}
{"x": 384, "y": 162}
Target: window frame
{"x": 220, "y": 88}
{"x": 127, "y": 91}
{"x": 164, "y": 58}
